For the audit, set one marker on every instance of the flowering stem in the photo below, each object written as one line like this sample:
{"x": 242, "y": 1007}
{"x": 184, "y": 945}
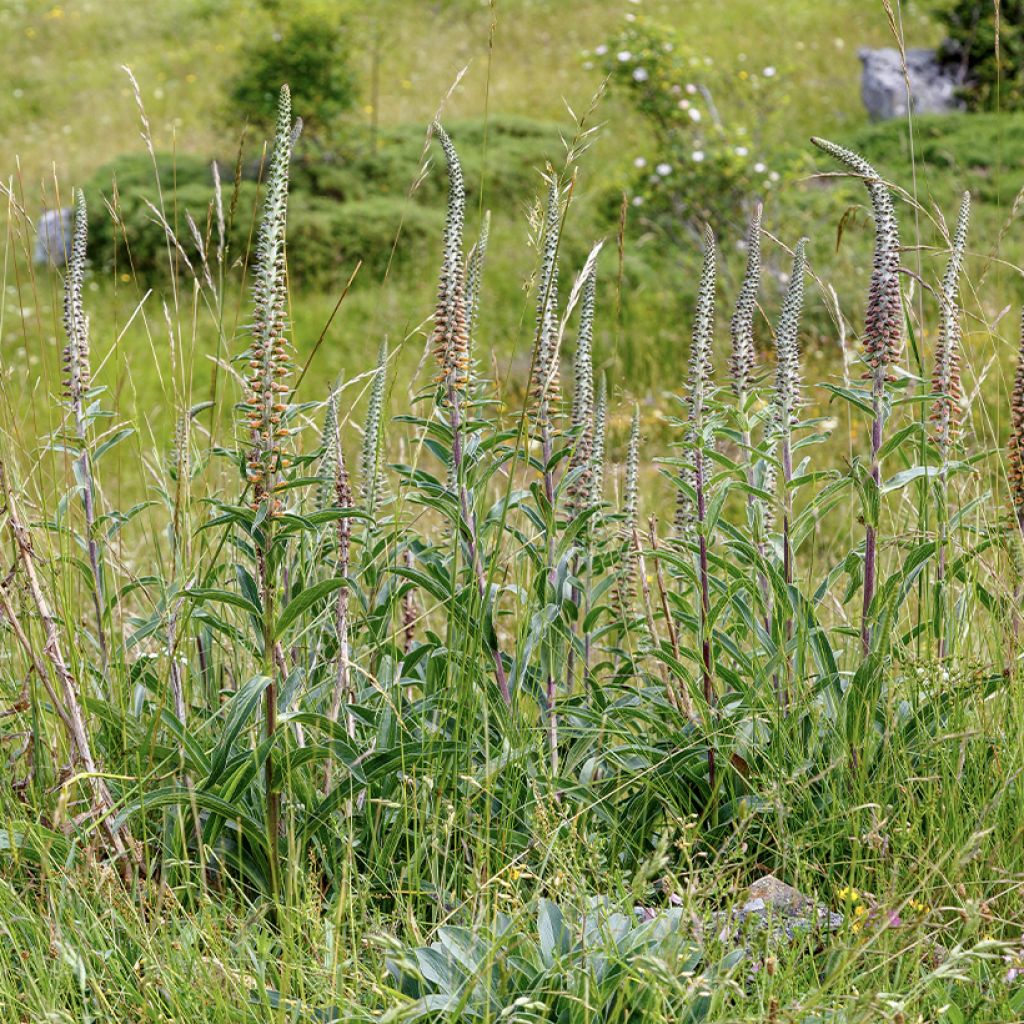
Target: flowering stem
{"x": 472, "y": 544}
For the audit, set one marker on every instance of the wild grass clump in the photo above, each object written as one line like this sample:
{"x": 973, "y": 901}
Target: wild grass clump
{"x": 431, "y": 722}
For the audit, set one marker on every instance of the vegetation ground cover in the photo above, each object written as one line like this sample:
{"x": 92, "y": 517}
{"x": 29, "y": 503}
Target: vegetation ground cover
{"x": 372, "y": 671}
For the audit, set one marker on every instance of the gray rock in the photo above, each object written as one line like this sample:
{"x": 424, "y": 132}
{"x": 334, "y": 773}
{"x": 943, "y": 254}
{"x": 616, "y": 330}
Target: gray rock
{"x": 777, "y": 909}
{"x": 53, "y": 237}
{"x": 883, "y": 87}
{"x": 780, "y": 912}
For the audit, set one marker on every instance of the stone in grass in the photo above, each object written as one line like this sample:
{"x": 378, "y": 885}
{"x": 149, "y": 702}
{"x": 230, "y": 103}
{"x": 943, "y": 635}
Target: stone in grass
{"x": 777, "y": 909}
{"x": 782, "y": 913}
{"x": 53, "y": 238}
{"x": 883, "y": 84}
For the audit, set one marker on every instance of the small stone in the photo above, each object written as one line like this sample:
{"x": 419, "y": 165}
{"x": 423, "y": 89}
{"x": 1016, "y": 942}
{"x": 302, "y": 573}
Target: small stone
{"x": 883, "y": 86}
{"x": 53, "y": 237}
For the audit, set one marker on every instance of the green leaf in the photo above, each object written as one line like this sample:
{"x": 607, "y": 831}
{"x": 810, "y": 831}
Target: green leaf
{"x": 202, "y": 594}
{"x": 306, "y": 600}
{"x": 906, "y": 476}
{"x": 239, "y": 710}
{"x": 554, "y": 934}
{"x": 110, "y": 443}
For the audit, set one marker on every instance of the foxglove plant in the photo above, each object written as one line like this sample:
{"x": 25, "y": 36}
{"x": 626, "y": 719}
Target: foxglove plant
{"x": 883, "y": 339}
{"x": 372, "y": 483}
{"x": 451, "y": 350}
{"x": 77, "y": 380}
{"x": 265, "y": 407}
{"x": 334, "y": 472}
{"x": 545, "y": 389}
{"x": 545, "y": 384}
{"x": 786, "y": 401}
{"x": 741, "y": 367}
{"x": 947, "y": 389}
{"x": 581, "y": 470}
{"x": 691, "y": 509}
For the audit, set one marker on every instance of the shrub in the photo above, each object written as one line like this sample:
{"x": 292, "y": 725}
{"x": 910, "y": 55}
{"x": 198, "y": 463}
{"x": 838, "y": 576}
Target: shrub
{"x": 129, "y": 186}
{"x": 348, "y": 204}
{"x": 705, "y": 162}
{"x": 307, "y": 52}
{"x": 993, "y": 78}
{"x": 326, "y": 238}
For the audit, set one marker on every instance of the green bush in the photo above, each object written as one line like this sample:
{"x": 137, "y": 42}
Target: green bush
{"x": 505, "y": 153}
{"x": 347, "y": 204}
{"x": 136, "y": 240}
{"x": 307, "y": 52}
{"x": 705, "y": 161}
{"x": 326, "y": 238}
{"x": 992, "y": 79}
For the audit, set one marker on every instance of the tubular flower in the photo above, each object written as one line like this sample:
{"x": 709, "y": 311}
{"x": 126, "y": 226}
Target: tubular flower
{"x": 699, "y": 388}
{"x": 947, "y": 405}
{"x": 883, "y": 320}
{"x": 76, "y": 323}
{"x": 269, "y": 357}
{"x": 545, "y": 363}
{"x": 1015, "y": 446}
{"x": 741, "y": 327}
{"x": 583, "y": 402}
{"x": 451, "y": 335}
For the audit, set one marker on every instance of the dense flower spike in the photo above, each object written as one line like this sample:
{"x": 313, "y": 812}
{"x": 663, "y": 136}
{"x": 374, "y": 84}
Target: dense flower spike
{"x": 1015, "y": 446}
{"x": 597, "y": 456}
{"x": 583, "y": 402}
{"x": 76, "y": 323}
{"x": 341, "y": 498}
{"x": 545, "y": 363}
{"x": 883, "y": 320}
{"x": 741, "y": 327}
{"x": 270, "y": 362}
{"x": 474, "y": 280}
{"x": 699, "y": 387}
{"x": 451, "y": 335}
{"x": 786, "y": 398}
{"x": 329, "y": 447}
{"x": 372, "y": 485}
{"x": 947, "y": 405}
{"x": 625, "y": 588}
{"x": 883, "y": 341}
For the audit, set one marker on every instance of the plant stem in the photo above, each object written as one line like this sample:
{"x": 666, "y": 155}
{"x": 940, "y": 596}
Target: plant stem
{"x": 705, "y": 603}
{"x": 273, "y": 802}
{"x": 870, "y": 540}
{"x": 455, "y": 422}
